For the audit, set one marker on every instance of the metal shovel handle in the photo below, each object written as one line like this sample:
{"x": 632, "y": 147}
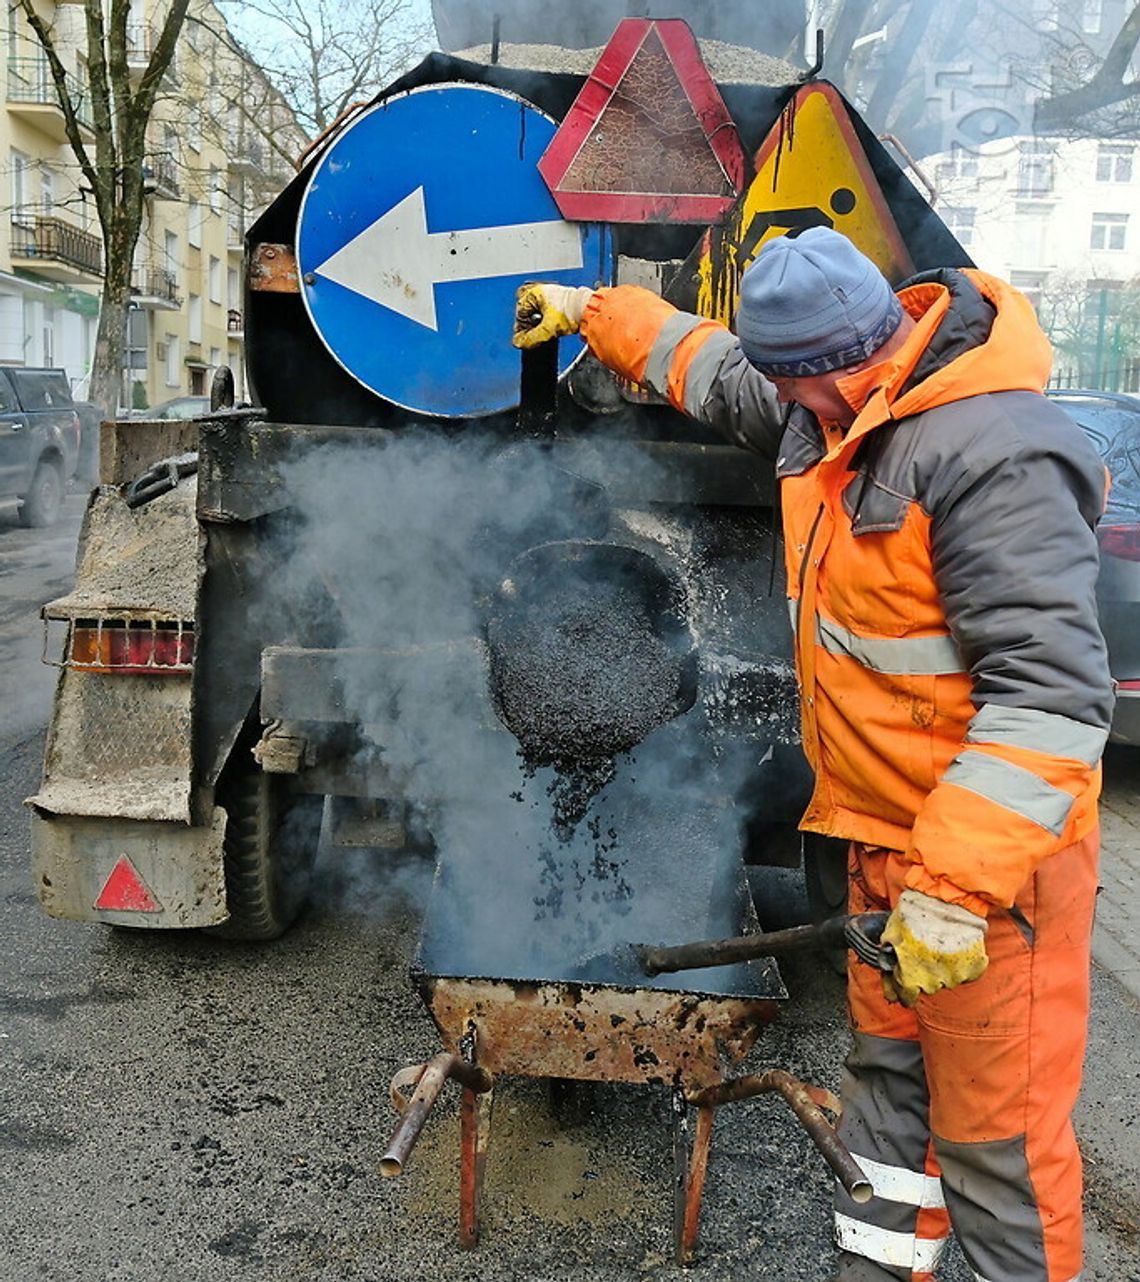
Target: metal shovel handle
{"x": 861, "y": 933}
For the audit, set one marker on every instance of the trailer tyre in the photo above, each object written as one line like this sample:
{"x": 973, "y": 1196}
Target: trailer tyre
{"x": 44, "y": 498}
{"x": 270, "y": 842}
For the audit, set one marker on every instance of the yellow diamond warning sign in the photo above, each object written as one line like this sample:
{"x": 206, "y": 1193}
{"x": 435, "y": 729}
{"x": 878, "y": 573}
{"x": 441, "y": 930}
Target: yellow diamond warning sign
{"x": 811, "y": 171}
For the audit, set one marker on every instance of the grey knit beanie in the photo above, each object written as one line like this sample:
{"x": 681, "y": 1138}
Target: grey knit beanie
{"x": 813, "y": 304}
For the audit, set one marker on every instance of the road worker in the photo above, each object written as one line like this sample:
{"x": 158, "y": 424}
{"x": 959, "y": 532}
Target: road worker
{"x": 939, "y": 521}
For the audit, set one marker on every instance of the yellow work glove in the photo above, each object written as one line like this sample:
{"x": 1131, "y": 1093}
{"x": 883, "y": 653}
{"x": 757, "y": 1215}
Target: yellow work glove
{"x": 937, "y": 945}
{"x": 544, "y": 311}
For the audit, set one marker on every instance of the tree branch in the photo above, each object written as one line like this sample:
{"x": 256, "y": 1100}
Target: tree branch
{"x": 1104, "y": 89}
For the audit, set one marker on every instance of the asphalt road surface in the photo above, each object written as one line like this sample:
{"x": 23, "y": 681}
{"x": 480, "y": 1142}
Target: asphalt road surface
{"x": 175, "y": 1107}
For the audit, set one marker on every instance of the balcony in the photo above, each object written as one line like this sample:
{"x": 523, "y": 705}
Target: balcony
{"x": 235, "y": 324}
{"x": 246, "y": 155}
{"x": 156, "y": 289}
{"x": 55, "y": 249}
{"x": 141, "y": 39}
{"x": 32, "y": 95}
{"x": 160, "y": 177}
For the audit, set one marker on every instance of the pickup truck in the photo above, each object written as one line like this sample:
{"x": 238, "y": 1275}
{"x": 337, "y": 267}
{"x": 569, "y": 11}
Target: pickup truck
{"x": 39, "y": 441}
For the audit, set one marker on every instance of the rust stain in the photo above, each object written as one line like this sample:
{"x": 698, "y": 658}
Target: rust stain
{"x": 273, "y": 269}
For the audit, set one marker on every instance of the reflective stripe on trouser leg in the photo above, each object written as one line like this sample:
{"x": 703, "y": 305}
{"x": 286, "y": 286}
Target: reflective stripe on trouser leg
{"x": 901, "y": 1232}
{"x": 1003, "y": 1059}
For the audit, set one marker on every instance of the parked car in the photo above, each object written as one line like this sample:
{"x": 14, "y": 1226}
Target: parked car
{"x": 39, "y": 441}
{"x": 1111, "y": 421}
{"x": 179, "y": 407}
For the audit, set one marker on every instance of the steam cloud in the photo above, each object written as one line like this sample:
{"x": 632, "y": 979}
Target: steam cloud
{"x": 411, "y": 540}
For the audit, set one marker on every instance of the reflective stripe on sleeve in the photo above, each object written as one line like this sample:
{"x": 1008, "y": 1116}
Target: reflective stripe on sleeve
{"x": 703, "y": 370}
{"x": 896, "y": 656}
{"x": 664, "y": 347}
{"x": 884, "y": 1246}
{"x": 1040, "y": 731}
{"x": 1013, "y": 788}
{"x": 897, "y": 1184}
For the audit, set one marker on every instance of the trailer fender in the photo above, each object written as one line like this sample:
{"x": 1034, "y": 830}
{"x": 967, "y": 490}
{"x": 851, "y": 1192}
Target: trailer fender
{"x": 130, "y": 872}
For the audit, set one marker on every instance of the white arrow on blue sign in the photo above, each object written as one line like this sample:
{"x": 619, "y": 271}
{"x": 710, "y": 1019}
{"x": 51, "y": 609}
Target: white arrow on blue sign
{"x": 417, "y": 226}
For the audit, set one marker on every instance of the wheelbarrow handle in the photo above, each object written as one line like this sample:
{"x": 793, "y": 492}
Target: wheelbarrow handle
{"x": 861, "y": 932}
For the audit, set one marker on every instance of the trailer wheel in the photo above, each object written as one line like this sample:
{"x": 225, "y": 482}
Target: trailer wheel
{"x": 44, "y": 497}
{"x": 270, "y": 841}
{"x": 825, "y": 879}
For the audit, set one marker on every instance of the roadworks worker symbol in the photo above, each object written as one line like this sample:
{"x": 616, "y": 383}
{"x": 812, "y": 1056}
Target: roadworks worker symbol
{"x": 811, "y": 171}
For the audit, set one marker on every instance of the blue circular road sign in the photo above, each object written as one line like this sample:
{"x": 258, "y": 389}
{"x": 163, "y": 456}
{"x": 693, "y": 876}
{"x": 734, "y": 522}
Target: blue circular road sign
{"x": 418, "y": 224}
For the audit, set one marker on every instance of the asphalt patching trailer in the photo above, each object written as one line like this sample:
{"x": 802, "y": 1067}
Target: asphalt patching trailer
{"x": 513, "y": 614}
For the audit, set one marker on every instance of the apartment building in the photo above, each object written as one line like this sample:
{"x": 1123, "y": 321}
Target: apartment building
{"x": 218, "y": 149}
{"x": 221, "y": 145}
{"x": 1060, "y": 219}
{"x": 50, "y": 252}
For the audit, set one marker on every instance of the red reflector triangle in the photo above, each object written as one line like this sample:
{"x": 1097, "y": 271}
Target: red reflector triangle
{"x": 125, "y": 891}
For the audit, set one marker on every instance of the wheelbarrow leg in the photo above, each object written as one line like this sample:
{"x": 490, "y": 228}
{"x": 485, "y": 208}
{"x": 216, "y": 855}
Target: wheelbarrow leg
{"x": 474, "y": 1134}
{"x": 690, "y": 1165}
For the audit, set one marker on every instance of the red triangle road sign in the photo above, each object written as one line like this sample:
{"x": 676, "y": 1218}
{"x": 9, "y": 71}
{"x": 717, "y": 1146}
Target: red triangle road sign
{"x": 125, "y": 891}
{"x": 648, "y": 139}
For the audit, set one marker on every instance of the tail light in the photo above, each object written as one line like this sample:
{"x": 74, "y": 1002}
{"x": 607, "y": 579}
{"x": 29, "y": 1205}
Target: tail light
{"x": 1120, "y": 540}
{"x": 131, "y": 648}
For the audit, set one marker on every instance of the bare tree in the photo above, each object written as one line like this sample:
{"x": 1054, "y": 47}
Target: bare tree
{"x": 324, "y": 55}
{"x": 111, "y": 165}
{"x": 1044, "y": 72}
{"x": 1108, "y": 85}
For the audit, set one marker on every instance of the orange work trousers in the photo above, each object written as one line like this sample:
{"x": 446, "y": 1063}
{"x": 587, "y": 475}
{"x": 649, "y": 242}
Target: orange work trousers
{"x": 960, "y": 1109}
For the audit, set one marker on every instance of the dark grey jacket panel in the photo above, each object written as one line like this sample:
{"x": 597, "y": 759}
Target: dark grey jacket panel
{"x": 1014, "y": 490}
{"x": 741, "y": 404}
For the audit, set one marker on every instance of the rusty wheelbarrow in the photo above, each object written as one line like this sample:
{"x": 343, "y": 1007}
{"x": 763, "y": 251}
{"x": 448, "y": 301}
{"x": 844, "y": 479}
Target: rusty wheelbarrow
{"x": 687, "y": 1041}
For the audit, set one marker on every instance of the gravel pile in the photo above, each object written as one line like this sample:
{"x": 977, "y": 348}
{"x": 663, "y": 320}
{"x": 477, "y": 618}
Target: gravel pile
{"x": 728, "y": 64}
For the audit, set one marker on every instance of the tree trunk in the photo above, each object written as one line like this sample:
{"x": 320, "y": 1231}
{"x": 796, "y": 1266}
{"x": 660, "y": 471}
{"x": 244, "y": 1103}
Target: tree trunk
{"x": 107, "y": 365}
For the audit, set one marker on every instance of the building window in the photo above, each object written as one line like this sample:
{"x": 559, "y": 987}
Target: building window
{"x": 215, "y": 356}
{"x": 173, "y": 360}
{"x": 1092, "y": 17}
{"x": 194, "y": 318}
{"x": 1034, "y": 169}
{"x": 1031, "y": 284}
{"x": 214, "y": 278}
{"x": 171, "y": 145}
{"x": 215, "y": 190}
{"x": 194, "y": 126}
{"x": 1109, "y": 231}
{"x": 1046, "y": 14}
{"x": 958, "y": 165}
{"x": 194, "y": 224}
{"x": 232, "y": 295}
{"x": 18, "y": 177}
{"x": 960, "y": 221}
{"x": 1113, "y": 163}
{"x": 170, "y": 254}
{"x": 47, "y": 191}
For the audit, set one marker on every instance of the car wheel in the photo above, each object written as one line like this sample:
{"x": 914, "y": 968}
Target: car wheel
{"x": 44, "y": 498}
{"x": 270, "y": 842}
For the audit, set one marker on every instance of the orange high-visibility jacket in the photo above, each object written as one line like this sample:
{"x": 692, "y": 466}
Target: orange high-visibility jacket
{"x": 941, "y": 563}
